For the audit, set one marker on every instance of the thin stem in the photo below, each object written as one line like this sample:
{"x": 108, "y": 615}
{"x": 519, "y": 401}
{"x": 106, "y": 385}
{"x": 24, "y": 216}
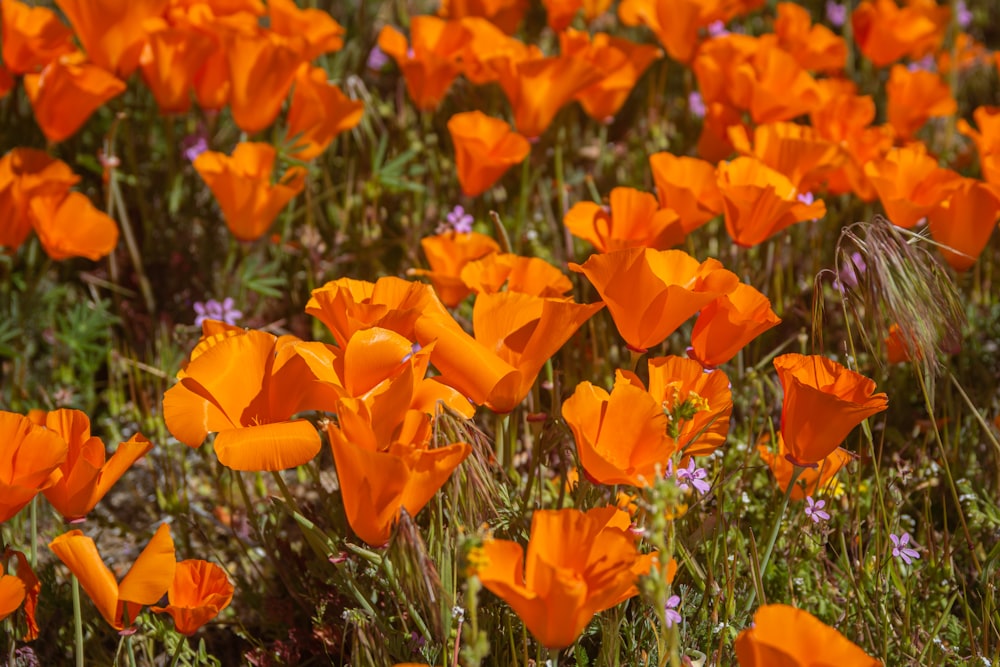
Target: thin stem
{"x": 181, "y": 643}
{"x": 77, "y": 622}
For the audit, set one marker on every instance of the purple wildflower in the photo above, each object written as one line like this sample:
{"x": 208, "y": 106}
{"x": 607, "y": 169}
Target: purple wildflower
{"x": 901, "y": 548}
{"x": 696, "y": 104}
{"x": 672, "y": 616}
{"x": 836, "y": 13}
{"x": 696, "y": 477}
{"x": 213, "y": 310}
{"x": 377, "y": 59}
{"x": 963, "y": 15}
{"x": 194, "y": 144}
{"x": 926, "y": 64}
{"x": 806, "y": 198}
{"x": 717, "y": 29}
{"x": 457, "y": 220}
{"x": 851, "y": 272}
{"x": 814, "y": 510}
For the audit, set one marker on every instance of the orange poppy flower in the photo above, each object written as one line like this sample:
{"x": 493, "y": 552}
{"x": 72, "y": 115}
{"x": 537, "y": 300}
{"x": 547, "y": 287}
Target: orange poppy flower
{"x": 196, "y": 595}
{"x": 488, "y": 51}
{"x": 686, "y": 185}
{"x": 760, "y": 202}
{"x": 634, "y": 220}
{"x": 32, "y": 36}
{"x": 577, "y": 564}
{"x": 242, "y": 186}
{"x": 620, "y": 62}
{"x": 322, "y": 34}
{"x": 246, "y": 386}
{"x": 793, "y": 150}
{"x": 66, "y": 93}
{"x": 170, "y": 59}
{"x": 650, "y": 293}
{"x": 814, "y": 47}
{"x": 811, "y": 481}
{"x": 319, "y": 111}
{"x": 963, "y": 223}
{"x": 713, "y": 140}
{"x": 87, "y": 475}
{"x": 823, "y": 402}
{"x": 560, "y": 13}
{"x": 29, "y": 455}
{"x": 504, "y": 14}
{"x": 772, "y": 86}
{"x": 26, "y": 173}
{"x": 783, "y": 636}
{"x": 6, "y": 81}
{"x": 537, "y": 87}
{"x": 447, "y": 254}
{"x": 113, "y": 31}
{"x": 914, "y": 97}
{"x": 727, "y": 324}
{"x": 885, "y": 32}
{"x": 485, "y": 148}
{"x": 621, "y": 437}
{"x": 515, "y": 334}
{"x": 716, "y": 64}
{"x": 910, "y": 183}
{"x": 698, "y": 403}
{"x": 987, "y": 140}
{"x": 513, "y": 273}
{"x": 899, "y": 347}
{"x": 385, "y": 463}
{"x": 347, "y": 305}
{"x": 70, "y": 226}
{"x": 145, "y": 583}
{"x": 262, "y": 67}
{"x": 19, "y": 588}
{"x": 432, "y": 59}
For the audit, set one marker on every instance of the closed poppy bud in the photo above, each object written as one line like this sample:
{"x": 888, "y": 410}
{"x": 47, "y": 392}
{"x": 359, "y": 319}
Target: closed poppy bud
{"x": 783, "y": 636}
{"x": 621, "y": 437}
{"x": 170, "y": 60}
{"x": 651, "y": 293}
{"x": 537, "y": 88}
{"x": 634, "y": 220}
{"x": 811, "y": 481}
{"x": 319, "y": 112}
{"x": 242, "y": 187}
{"x": 28, "y": 456}
{"x": 485, "y": 148}
{"x": 432, "y": 59}
{"x": 198, "y": 592}
{"x": 112, "y": 31}
{"x": 727, "y": 324}
{"x": 447, "y": 254}
{"x": 66, "y": 93}
{"x": 262, "y": 67}
{"x": 688, "y": 186}
{"x": 914, "y": 97}
{"x": 32, "y": 36}
{"x": 963, "y": 223}
{"x": 823, "y": 402}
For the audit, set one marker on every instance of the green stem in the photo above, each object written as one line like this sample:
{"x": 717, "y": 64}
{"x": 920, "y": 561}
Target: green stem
{"x": 130, "y": 651}
{"x": 181, "y": 643}
{"x": 77, "y": 622}
{"x": 553, "y": 657}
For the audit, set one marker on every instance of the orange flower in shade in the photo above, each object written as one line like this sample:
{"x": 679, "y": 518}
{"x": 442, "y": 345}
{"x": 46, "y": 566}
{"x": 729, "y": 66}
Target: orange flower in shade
{"x": 245, "y": 386}
{"x": 899, "y": 347}
{"x": 963, "y": 223}
{"x": 322, "y": 34}
{"x": 19, "y": 588}
{"x": 811, "y": 481}
{"x": 65, "y": 94}
{"x": 814, "y": 47}
{"x": 987, "y": 140}
{"x": 823, "y": 403}
{"x": 385, "y": 463}
{"x": 242, "y": 186}
{"x": 621, "y": 63}
{"x": 578, "y": 564}
{"x": 634, "y": 220}
{"x": 447, "y": 254}
{"x": 6, "y": 81}
{"x": 29, "y": 455}
{"x": 319, "y": 111}
{"x": 485, "y": 148}
{"x": 910, "y": 183}
{"x": 513, "y": 273}
{"x": 198, "y": 592}
{"x": 686, "y": 185}
{"x": 262, "y": 67}
{"x": 727, "y": 324}
{"x": 71, "y": 226}
{"x": 87, "y": 474}
{"x": 914, "y": 97}
{"x": 760, "y": 202}
{"x": 783, "y": 636}
{"x": 650, "y": 293}
{"x": 32, "y": 36}
{"x": 716, "y": 65}
{"x": 621, "y": 437}
{"x": 504, "y": 14}
{"x": 698, "y": 403}
{"x": 432, "y": 59}
{"x": 347, "y": 305}
{"x": 885, "y": 32}
{"x": 713, "y": 141}
{"x": 170, "y": 59}
{"x": 26, "y": 173}
{"x": 112, "y": 31}
{"x": 794, "y": 150}
{"x": 145, "y": 583}
{"x": 515, "y": 334}
{"x": 560, "y": 13}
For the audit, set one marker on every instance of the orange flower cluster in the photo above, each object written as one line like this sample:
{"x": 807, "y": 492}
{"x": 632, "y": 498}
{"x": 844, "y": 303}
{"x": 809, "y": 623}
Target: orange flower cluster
{"x": 783, "y": 636}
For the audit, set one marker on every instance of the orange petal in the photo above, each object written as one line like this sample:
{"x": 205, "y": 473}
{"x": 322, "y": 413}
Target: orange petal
{"x": 268, "y": 447}
{"x": 79, "y": 553}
